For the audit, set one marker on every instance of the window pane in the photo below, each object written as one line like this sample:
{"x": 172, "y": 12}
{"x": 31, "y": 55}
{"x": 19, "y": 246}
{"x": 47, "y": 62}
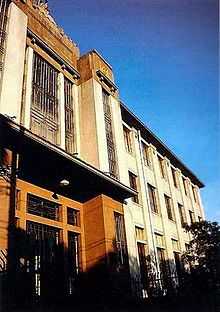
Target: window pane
{"x": 169, "y": 207}
{"x": 152, "y": 198}
{"x": 133, "y": 185}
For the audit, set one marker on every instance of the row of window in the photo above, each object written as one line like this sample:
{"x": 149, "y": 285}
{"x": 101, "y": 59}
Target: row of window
{"x": 48, "y": 209}
{"x": 153, "y": 200}
{"x": 148, "y": 162}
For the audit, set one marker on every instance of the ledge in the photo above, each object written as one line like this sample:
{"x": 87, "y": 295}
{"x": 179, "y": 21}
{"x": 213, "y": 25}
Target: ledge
{"x": 106, "y": 80}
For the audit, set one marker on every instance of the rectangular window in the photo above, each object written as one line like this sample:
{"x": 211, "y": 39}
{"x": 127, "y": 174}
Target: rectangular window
{"x": 185, "y": 186}
{"x": 143, "y": 263}
{"x": 182, "y": 214}
{"x": 44, "y": 107}
{"x": 73, "y": 216}
{"x": 169, "y": 207}
{"x": 195, "y": 194}
{"x": 3, "y": 25}
{"x": 174, "y": 177}
{"x": 140, "y": 233}
{"x": 146, "y": 154}
{"x": 73, "y": 260}
{"x": 191, "y": 216}
{"x": 162, "y": 263}
{"x": 18, "y": 199}
{"x": 42, "y": 207}
{"x": 152, "y": 198}
{"x": 127, "y": 139}
{"x": 120, "y": 239}
{"x": 159, "y": 240}
{"x": 162, "y": 167}
{"x": 69, "y": 116}
{"x": 175, "y": 244}
{"x": 133, "y": 185}
{"x": 109, "y": 135}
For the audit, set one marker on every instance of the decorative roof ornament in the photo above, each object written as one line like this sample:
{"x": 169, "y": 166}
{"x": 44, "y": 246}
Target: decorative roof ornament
{"x": 41, "y": 3}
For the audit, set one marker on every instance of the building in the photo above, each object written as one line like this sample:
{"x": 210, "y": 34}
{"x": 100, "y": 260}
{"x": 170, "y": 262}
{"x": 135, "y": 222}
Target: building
{"x": 84, "y": 183}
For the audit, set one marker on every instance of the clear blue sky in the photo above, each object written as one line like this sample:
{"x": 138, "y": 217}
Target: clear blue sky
{"x": 165, "y": 59}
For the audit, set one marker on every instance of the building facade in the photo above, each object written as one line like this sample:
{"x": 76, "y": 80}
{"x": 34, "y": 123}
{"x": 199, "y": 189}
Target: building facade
{"x": 82, "y": 178}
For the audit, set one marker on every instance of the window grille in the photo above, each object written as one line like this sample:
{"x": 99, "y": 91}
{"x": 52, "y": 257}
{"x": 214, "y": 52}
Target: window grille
{"x": 120, "y": 239}
{"x": 140, "y": 233}
{"x": 3, "y": 23}
{"x": 44, "y": 255}
{"x": 44, "y": 109}
{"x": 69, "y": 116}
{"x": 152, "y": 198}
{"x": 73, "y": 216}
{"x": 159, "y": 240}
{"x": 169, "y": 207}
{"x": 73, "y": 260}
{"x": 109, "y": 135}
{"x": 43, "y": 208}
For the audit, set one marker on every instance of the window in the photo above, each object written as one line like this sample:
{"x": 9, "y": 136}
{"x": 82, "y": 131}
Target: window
{"x": 159, "y": 240}
{"x": 152, "y": 198}
{"x": 162, "y": 166}
{"x": 199, "y": 219}
{"x": 140, "y": 233}
{"x": 73, "y": 260}
{"x": 73, "y": 216}
{"x": 42, "y": 207}
{"x": 185, "y": 186}
{"x": 195, "y": 194}
{"x": 146, "y": 154}
{"x": 182, "y": 214}
{"x": 109, "y": 135}
{"x": 133, "y": 185}
{"x": 127, "y": 139}
{"x": 120, "y": 239}
{"x": 44, "y": 107}
{"x": 3, "y": 25}
{"x": 169, "y": 207}
{"x": 143, "y": 264}
{"x": 69, "y": 116}
{"x": 175, "y": 244}
{"x": 18, "y": 199}
{"x": 162, "y": 263}
{"x": 174, "y": 177}
{"x": 191, "y": 216}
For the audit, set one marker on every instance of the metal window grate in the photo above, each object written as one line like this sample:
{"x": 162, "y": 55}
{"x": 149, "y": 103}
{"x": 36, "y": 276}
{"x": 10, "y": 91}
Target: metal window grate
{"x": 42, "y": 207}
{"x": 73, "y": 216}
{"x": 3, "y": 23}
{"x": 73, "y": 260}
{"x": 120, "y": 239}
{"x": 44, "y": 109}
{"x": 69, "y": 116}
{"x": 109, "y": 135}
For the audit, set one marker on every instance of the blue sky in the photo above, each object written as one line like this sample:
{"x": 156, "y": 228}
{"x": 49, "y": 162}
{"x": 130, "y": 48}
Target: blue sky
{"x": 164, "y": 55}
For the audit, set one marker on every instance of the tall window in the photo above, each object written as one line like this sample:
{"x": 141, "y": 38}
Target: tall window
{"x": 185, "y": 186}
{"x": 109, "y": 134}
{"x": 174, "y": 177}
{"x": 69, "y": 116}
{"x": 191, "y": 216}
{"x": 182, "y": 214}
{"x": 133, "y": 185}
{"x": 120, "y": 239}
{"x": 3, "y": 23}
{"x": 73, "y": 260}
{"x": 169, "y": 207}
{"x": 162, "y": 167}
{"x": 146, "y": 154}
{"x": 153, "y": 198}
{"x": 195, "y": 195}
{"x": 44, "y": 109}
{"x": 127, "y": 139}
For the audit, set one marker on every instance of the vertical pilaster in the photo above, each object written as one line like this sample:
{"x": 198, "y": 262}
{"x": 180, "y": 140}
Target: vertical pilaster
{"x": 28, "y": 87}
{"x": 12, "y": 78}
